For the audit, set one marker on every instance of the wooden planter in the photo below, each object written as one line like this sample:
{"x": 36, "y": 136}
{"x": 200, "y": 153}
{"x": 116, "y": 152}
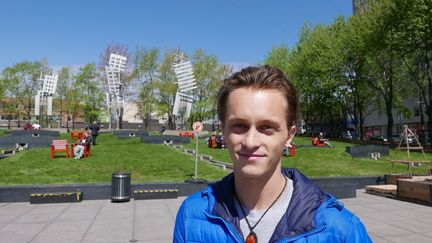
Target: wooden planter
{"x": 392, "y": 178}
{"x": 419, "y": 190}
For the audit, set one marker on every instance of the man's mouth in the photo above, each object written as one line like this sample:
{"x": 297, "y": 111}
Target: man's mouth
{"x": 249, "y": 156}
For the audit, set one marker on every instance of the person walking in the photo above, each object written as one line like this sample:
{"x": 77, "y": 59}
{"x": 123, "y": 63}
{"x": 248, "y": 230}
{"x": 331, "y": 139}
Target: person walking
{"x": 94, "y": 131}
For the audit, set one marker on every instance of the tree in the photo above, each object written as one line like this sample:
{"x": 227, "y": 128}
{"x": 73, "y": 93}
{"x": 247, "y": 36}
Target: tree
{"x": 383, "y": 59}
{"x": 144, "y": 74}
{"x": 23, "y": 83}
{"x": 64, "y": 84}
{"x": 209, "y": 74}
{"x": 125, "y": 78}
{"x": 92, "y": 96}
{"x": 166, "y": 88}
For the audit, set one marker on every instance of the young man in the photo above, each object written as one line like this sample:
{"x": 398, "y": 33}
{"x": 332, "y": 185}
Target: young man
{"x": 260, "y": 201}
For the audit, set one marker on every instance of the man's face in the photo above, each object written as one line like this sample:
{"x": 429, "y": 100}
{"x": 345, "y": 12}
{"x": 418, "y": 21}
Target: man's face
{"x": 255, "y": 130}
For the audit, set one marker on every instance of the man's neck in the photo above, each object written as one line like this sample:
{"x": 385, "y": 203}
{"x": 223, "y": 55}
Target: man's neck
{"x": 259, "y": 193}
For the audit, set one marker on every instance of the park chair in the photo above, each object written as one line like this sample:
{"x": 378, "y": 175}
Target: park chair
{"x": 59, "y": 146}
{"x": 317, "y": 142}
{"x": 75, "y": 135}
{"x": 87, "y": 150}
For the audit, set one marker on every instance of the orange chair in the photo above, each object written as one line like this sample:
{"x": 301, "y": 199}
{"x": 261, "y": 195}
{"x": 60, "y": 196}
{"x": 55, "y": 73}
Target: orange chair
{"x": 75, "y": 135}
{"x": 59, "y": 146}
{"x": 87, "y": 150}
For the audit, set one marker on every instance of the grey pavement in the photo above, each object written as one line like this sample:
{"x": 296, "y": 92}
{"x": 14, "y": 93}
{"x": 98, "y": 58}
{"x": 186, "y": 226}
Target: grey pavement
{"x": 386, "y": 220}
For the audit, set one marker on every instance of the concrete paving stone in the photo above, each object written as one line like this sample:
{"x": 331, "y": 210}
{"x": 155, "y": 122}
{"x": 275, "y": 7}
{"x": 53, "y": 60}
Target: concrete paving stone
{"x": 156, "y": 241}
{"x": 47, "y": 209}
{"x": 412, "y": 214}
{"x": 74, "y": 226}
{"x": 380, "y": 216}
{"x": 384, "y": 207}
{"x": 36, "y": 218}
{"x": 84, "y": 209}
{"x": 377, "y": 239}
{"x": 382, "y": 229}
{"x": 428, "y": 234}
{"x": 111, "y": 235}
{"x": 24, "y": 231}
{"x": 413, "y": 225}
{"x": 81, "y": 216}
{"x": 108, "y": 225}
{"x": 115, "y": 215}
{"x": 6, "y": 237}
{"x": 413, "y": 237}
{"x": 3, "y": 204}
{"x": 66, "y": 236}
{"x": 153, "y": 234}
{"x": 11, "y": 210}
{"x": 5, "y": 219}
{"x": 153, "y": 223}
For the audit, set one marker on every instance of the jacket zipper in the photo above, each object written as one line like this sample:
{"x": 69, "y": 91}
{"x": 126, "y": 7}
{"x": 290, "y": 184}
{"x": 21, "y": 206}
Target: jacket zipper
{"x": 228, "y": 226}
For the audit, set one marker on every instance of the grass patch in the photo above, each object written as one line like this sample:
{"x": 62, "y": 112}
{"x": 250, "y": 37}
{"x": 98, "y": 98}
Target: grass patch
{"x": 4, "y": 132}
{"x": 317, "y": 162}
{"x": 157, "y": 163}
{"x": 146, "y": 162}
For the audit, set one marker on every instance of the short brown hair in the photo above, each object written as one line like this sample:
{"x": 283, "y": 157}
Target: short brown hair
{"x": 264, "y": 77}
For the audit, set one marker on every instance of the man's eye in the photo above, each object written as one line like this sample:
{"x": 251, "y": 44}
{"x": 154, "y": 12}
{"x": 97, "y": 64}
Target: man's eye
{"x": 268, "y": 129}
{"x": 238, "y": 127}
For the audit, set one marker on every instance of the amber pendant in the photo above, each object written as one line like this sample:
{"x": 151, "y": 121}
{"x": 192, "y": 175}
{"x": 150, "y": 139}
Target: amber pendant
{"x": 251, "y": 238}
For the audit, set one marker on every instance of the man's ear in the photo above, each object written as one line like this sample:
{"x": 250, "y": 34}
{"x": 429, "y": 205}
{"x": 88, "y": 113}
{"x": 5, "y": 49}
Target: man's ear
{"x": 291, "y": 133}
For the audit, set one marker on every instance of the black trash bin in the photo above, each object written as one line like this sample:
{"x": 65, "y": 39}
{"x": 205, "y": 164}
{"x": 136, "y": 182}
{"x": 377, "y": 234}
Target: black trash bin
{"x": 120, "y": 187}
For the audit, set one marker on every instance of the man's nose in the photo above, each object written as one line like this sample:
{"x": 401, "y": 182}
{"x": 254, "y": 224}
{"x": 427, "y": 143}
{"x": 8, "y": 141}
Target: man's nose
{"x": 251, "y": 139}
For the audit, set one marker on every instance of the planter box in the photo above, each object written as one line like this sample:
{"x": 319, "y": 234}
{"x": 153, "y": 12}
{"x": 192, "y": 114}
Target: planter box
{"x": 155, "y": 194}
{"x": 414, "y": 189}
{"x": 61, "y": 197}
{"x": 392, "y": 178}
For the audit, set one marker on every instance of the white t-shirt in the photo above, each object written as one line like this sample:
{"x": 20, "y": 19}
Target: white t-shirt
{"x": 265, "y": 228}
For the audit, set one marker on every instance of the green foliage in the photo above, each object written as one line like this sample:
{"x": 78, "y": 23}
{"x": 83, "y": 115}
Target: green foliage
{"x": 209, "y": 74}
{"x": 91, "y": 97}
{"x": 22, "y": 82}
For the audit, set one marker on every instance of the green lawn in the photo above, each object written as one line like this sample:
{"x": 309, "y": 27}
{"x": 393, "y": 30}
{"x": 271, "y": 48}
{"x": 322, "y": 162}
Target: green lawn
{"x": 317, "y": 162}
{"x": 157, "y": 163}
{"x": 146, "y": 162}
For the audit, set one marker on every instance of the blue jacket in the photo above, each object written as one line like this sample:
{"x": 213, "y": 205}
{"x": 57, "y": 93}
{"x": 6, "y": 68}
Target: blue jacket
{"x": 312, "y": 216}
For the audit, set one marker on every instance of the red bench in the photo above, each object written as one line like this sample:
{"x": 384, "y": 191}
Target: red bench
{"x": 190, "y": 134}
{"x": 59, "y": 146}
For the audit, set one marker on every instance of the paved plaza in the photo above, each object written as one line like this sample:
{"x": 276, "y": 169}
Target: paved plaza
{"x": 386, "y": 220}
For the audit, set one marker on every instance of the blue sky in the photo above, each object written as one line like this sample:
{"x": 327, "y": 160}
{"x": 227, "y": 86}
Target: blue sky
{"x": 75, "y": 32}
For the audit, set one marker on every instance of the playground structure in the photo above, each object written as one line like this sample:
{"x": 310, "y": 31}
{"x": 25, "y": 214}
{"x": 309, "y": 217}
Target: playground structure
{"x": 44, "y": 97}
{"x": 115, "y": 95}
{"x": 184, "y": 99}
{"x": 408, "y": 136}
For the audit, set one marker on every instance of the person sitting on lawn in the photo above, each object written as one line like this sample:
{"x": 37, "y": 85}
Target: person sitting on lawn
{"x": 85, "y": 140}
{"x": 322, "y": 140}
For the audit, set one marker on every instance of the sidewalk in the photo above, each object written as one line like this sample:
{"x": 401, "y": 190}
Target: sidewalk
{"x": 386, "y": 220}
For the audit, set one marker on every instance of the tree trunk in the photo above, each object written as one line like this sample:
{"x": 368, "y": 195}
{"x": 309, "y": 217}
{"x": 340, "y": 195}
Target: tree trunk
{"x": 429, "y": 106}
{"x": 120, "y": 118}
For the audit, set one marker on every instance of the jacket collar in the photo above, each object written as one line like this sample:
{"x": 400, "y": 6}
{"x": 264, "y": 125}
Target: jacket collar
{"x": 299, "y": 217}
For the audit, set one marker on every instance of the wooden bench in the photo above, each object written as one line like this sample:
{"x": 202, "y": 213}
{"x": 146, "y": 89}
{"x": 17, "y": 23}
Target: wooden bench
{"x": 190, "y": 134}
{"x": 59, "y": 146}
